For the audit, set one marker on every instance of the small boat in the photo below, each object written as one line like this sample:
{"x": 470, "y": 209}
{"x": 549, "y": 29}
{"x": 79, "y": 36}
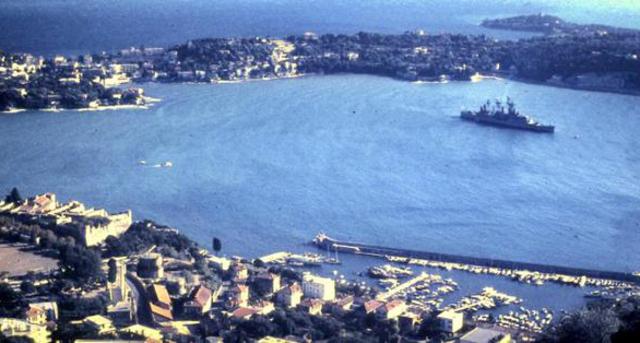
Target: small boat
{"x": 594, "y": 294}
{"x": 332, "y": 260}
{"x": 310, "y": 263}
{"x": 167, "y": 164}
{"x": 142, "y": 162}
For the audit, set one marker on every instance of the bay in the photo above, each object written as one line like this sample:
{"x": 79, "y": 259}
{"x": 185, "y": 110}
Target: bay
{"x": 266, "y": 165}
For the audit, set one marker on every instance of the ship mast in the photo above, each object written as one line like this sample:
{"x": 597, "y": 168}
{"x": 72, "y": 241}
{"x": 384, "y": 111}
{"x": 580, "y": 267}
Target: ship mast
{"x": 511, "y": 105}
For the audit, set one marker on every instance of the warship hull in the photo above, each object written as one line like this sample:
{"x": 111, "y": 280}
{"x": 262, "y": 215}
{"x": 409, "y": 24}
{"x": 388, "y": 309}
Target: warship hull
{"x": 492, "y": 121}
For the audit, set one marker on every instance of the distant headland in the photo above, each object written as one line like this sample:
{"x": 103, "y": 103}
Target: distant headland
{"x": 590, "y": 57}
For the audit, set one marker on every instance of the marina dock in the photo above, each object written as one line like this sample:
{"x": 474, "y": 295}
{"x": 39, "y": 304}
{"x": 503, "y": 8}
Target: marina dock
{"x": 324, "y": 242}
{"x": 401, "y": 287}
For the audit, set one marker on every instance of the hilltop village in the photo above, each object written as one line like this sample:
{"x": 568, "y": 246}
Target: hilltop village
{"x": 593, "y": 57}
{"x": 74, "y": 273}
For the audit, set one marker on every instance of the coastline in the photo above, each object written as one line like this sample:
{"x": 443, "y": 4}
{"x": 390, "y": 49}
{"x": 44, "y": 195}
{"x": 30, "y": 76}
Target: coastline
{"x": 13, "y": 111}
{"x": 149, "y": 101}
{"x": 222, "y": 82}
{"x": 576, "y": 88}
{"x": 113, "y": 107}
{"x": 474, "y": 79}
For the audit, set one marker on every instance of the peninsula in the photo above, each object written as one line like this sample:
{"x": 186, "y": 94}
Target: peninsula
{"x": 591, "y": 57}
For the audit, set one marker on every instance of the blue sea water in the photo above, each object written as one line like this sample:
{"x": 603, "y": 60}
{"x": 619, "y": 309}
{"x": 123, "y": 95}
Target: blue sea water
{"x": 67, "y": 27}
{"x": 266, "y": 165}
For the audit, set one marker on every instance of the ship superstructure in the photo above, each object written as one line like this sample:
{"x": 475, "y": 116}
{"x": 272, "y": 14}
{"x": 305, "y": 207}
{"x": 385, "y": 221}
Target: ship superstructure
{"x": 496, "y": 115}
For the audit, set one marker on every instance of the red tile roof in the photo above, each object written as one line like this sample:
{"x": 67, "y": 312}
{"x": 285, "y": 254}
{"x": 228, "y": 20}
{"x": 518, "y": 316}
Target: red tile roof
{"x": 34, "y": 311}
{"x": 160, "y": 311}
{"x": 393, "y": 304}
{"x": 348, "y": 300}
{"x": 161, "y": 294}
{"x": 243, "y": 312}
{"x": 372, "y": 305}
{"x": 201, "y": 295}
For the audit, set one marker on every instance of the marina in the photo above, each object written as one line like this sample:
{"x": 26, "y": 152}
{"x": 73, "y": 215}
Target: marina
{"x": 520, "y": 271}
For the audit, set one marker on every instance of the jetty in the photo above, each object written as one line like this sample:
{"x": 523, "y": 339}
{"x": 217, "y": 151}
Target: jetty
{"x": 401, "y": 287}
{"x": 325, "y": 242}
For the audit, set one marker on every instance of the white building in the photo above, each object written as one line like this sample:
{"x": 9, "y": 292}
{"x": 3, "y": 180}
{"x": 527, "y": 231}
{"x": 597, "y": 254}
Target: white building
{"x": 451, "y": 321}
{"x": 220, "y": 262}
{"x": 482, "y": 335}
{"x": 314, "y": 286}
{"x": 11, "y": 327}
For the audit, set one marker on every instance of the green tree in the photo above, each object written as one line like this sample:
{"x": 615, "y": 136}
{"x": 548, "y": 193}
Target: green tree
{"x": 13, "y": 196}
{"x": 27, "y": 287}
{"x": 11, "y": 304}
{"x": 217, "y": 245}
{"x": 79, "y": 262}
{"x": 113, "y": 270}
{"x": 258, "y": 263}
{"x": 594, "y": 324}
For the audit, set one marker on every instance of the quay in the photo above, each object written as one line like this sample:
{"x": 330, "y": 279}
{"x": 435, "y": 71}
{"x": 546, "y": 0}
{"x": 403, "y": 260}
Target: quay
{"x": 401, "y": 287}
{"x": 325, "y": 242}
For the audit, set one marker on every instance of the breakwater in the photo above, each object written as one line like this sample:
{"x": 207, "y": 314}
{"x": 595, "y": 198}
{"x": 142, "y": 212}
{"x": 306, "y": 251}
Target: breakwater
{"x": 325, "y": 242}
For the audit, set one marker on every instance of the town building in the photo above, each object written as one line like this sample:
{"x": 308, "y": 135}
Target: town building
{"x": 371, "y": 306}
{"x": 36, "y": 315}
{"x": 143, "y": 331}
{"x": 50, "y": 309}
{"x": 451, "y": 321}
{"x": 314, "y": 286}
{"x": 239, "y": 272}
{"x": 199, "y": 301}
{"x": 313, "y": 306}
{"x": 95, "y": 230}
{"x": 10, "y": 327}
{"x": 89, "y": 226}
{"x": 342, "y": 305}
{"x": 220, "y": 263}
{"x": 150, "y": 266}
{"x": 291, "y": 295}
{"x": 99, "y": 324}
{"x": 121, "y": 305}
{"x": 409, "y": 321}
{"x": 482, "y": 335}
{"x": 160, "y": 303}
{"x": 243, "y": 313}
{"x": 265, "y": 307}
{"x": 271, "y": 339}
{"x": 267, "y": 283}
{"x": 391, "y": 309}
{"x": 118, "y": 290}
{"x": 180, "y": 331}
{"x": 240, "y": 296}
{"x": 40, "y": 204}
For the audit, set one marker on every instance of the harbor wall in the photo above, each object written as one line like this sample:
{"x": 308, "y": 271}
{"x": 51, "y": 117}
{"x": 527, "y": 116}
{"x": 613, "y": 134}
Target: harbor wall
{"x": 359, "y": 248}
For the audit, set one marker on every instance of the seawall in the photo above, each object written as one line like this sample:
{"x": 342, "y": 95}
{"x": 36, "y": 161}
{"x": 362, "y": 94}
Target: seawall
{"x": 324, "y": 242}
